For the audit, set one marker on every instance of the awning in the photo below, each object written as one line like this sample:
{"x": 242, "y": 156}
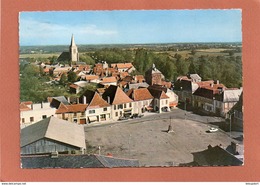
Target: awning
{"x": 149, "y": 108}
{"x": 173, "y": 104}
{"x": 127, "y": 110}
{"x": 92, "y": 118}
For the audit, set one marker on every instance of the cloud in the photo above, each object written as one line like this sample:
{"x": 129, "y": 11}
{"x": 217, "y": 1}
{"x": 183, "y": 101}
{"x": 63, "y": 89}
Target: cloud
{"x": 45, "y": 32}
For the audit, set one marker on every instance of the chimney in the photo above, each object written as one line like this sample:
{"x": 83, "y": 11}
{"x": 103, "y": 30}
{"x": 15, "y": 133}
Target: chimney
{"x": 32, "y": 106}
{"x": 217, "y": 82}
{"x": 211, "y": 85}
{"x": 69, "y": 99}
{"x": 108, "y": 99}
{"x": 234, "y": 147}
{"x": 84, "y": 100}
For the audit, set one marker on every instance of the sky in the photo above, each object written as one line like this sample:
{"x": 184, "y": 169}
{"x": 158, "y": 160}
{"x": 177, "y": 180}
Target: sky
{"x": 129, "y": 27}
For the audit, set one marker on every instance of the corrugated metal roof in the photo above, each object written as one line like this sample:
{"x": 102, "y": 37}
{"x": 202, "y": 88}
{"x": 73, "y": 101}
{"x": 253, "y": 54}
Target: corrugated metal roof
{"x": 55, "y": 129}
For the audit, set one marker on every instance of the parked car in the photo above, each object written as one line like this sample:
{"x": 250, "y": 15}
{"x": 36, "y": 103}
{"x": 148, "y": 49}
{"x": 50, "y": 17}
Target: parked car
{"x": 165, "y": 109}
{"x": 122, "y": 118}
{"x": 212, "y": 129}
{"x": 136, "y": 116}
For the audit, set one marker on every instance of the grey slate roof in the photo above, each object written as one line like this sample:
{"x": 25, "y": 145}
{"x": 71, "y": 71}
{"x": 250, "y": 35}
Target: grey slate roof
{"x": 62, "y": 99}
{"x": 215, "y": 156}
{"x": 55, "y": 129}
{"x": 231, "y": 95}
{"x": 137, "y": 85}
{"x": 195, "y": 77}
{"x": 76, "y": 161}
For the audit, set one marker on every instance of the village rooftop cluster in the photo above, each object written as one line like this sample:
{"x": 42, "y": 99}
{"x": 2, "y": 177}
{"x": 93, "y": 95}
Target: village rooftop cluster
{"x": 57, "y": 126}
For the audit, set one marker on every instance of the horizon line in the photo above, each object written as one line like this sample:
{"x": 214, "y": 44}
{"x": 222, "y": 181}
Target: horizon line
{"x": 137, "y": 43}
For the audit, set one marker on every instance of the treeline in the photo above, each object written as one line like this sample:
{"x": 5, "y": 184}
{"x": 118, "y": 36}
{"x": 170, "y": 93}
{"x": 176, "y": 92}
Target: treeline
{"x": 226, "y": 69}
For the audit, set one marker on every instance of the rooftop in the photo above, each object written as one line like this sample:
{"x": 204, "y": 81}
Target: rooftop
{"x": 116, "y": 95}
{"x": 71, "y": 108}
{"x": 76, "y": 161}
{"x": 139, "y": 94}
{"x": 55, "y": 129}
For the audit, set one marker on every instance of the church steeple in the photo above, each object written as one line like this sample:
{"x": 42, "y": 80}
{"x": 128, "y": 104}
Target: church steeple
{"x": 72, "y": 41}
{"x": 74, "y": 55}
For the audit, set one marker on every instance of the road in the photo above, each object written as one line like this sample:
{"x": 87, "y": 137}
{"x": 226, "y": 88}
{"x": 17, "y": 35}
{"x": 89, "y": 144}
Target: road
{"x": 146, "y": 139}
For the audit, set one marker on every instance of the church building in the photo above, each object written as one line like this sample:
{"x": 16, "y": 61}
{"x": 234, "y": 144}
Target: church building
{"x": 154, "y": 76}
{"x": 72, "y": 55}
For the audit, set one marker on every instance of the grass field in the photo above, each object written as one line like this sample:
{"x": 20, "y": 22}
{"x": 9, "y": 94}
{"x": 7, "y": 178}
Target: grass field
{"x": 39, "y": 55}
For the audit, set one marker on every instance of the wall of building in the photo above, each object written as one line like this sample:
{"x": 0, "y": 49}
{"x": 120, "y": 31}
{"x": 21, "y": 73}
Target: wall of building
{"x": 39, "y": 112}
{"x": 47, "y": 146}
{"x": 121, "y": 109}
{"x": 102, "y": 114}
{"x": 139, "y": 106}
{"x": 73, "y": 117}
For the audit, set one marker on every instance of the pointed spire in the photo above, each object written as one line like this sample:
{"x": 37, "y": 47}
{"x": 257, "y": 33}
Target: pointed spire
{"x": 72, "y": 41}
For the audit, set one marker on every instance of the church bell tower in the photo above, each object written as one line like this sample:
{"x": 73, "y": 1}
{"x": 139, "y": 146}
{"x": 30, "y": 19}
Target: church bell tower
{"x": 74, "y": 55}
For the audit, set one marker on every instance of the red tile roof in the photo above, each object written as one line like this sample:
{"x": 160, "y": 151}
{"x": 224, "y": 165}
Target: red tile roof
{"x": 116, "y": 95}
{"x": 91, "y": 77}
{"x": 74, "y": 86}
{"x": 139, "y": 94}
{"x": 139, "y": 78}
{"x": 157, "y": 93}
{"x": 97, "y": 102}
{"x": 24, "y": 107}
{"x": 122, "y": 65}
{"x": 166, "y": 84}
{"x": 109, "y": 79}
{"x": 71, "y": 108}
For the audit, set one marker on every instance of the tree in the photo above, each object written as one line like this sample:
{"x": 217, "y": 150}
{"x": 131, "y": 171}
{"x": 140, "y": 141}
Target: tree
{"x": 72, "y": 77}
{"x": 192, "y": 68}
{"x": 63, "y": 79}
{"x": 193, "y": 51}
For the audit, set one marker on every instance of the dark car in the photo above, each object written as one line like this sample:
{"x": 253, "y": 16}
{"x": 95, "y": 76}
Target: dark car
{"x": 122, "y": 118}
{"x": 136, "y": 116}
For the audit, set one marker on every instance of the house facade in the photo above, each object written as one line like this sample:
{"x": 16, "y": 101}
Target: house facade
{"x": 98, "y": 109}
{"x": 73, "y": 113}
{"x": 31, "y": 113}
{"x": 142, "y": 99}
{"x": 161, "y": 100}
{"x": 121, "y": 104}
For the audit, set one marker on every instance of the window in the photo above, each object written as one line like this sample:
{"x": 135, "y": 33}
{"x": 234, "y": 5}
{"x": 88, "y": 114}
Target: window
{"x": 83, "y": 114}
{"x": 31, "y": 119}
{"x": 102, "y": 116}
{"x": 44, "y": 116}
{"x": 120, "y": 106}
{"x": 114, "y": 107}
{"x": 130, "y": 104}
{"x": 116, "y": 114}
{"x": 124, "y": 105}
{"x": 104, "y": 109}
{"x": 166, "y": 101}
{"x": 91, "y": 111}
{"x": 75, "y": 114}
{"x": 23, "y": 120}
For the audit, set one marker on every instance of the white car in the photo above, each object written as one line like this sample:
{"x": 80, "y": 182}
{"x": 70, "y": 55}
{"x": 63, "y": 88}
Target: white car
{"x": 212, "y": 129}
